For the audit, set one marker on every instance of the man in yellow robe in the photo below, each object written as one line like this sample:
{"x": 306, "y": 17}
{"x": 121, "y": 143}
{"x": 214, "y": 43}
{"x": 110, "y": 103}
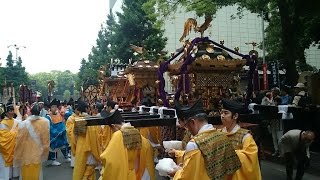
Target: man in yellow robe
{"x": 105, "y": 132}
{"x": 70, "y": 127}
{"x": 84, "y": 147}
{"x": 128, "y": 156}
{"x": 32, "y": 145}
{"x": 209, "y": 154}
{"x": 8, "y": 134}
{"x": 241, "y": 140}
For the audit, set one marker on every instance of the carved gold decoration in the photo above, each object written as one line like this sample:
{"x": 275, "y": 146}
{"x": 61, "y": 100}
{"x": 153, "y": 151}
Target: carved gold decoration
{"x": 91, "y": 93}
{"x": 192, "y": 24}
{"x": 221, "y": 58}
{"x": 210, "y": 49}
{"x": 131, "y": 79}
{"x": 137, "y": 49}
{"x": 254, "y": 52}
{"x": 51, "y": 85}
{"x": 205, "y": 57}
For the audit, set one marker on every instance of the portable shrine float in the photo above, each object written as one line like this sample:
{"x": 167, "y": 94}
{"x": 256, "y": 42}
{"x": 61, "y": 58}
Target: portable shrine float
{"x": 142, "y": 78}
{"x": 205, "y": 69}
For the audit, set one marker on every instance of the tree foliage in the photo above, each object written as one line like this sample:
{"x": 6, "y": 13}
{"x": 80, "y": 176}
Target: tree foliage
{"x": 14, "y": 73}
{"x": 65, "y": 80}
{"x": 132, "y": 26}
{"x": 66, "y": 94}
{"x": 136, "y": 27}
{"x": 293, "y": 25}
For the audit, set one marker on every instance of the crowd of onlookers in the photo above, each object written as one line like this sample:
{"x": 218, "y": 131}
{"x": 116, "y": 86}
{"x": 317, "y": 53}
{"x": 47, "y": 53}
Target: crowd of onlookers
{"x": 296, "y": 96}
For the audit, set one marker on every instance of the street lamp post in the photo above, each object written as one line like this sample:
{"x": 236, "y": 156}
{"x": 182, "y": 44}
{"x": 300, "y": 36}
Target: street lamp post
{"x": 17, "y": 49}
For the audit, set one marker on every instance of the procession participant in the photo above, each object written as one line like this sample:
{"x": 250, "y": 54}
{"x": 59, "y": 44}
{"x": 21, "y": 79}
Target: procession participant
{"x": 285, "y": 97}
{"x": 151, "y": 133}
{"x": 110, "y": 105}
{"x": 267, "y": 100}
{"x": 84, "y": 145}
{"x": 209, "y": 154}
{"x": 242, "y": 141}
{"x": 8, "y": 133}
{"x": 128, "y": 154}
{"x": 63, "y": 108}
{"x": 78, "y": 112}
{"x": 45, "y": 108}
{"x": 32, "y": 145}
{"x": 69, "y": 110}
{"x": 295, "y": 145}
{"x": 105, "y": 132}
{"x": 300, "y": 95}
{"x": 58, "y": 138}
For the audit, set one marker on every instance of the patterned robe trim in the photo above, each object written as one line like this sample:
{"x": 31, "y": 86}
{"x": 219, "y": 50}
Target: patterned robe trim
{"x": 186, "y": 138}
{"x": 220, "y": 160}
{"x": 237, "y": 137}
{"x": 131, "y": 137}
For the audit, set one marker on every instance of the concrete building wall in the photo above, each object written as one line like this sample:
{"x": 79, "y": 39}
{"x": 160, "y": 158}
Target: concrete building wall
{"x": 313, "y": 56}
{"x": 111, "y": 3}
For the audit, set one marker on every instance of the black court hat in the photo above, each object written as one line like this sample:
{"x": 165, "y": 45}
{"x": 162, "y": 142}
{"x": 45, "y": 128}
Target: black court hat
{"x": 111, "y": 104}
{"x": 234, "y": 106}
{"x": 114, "y": 117}
{"x": 99, "y": 106}
{"x": 35, "y": 109}
{"x": 186, "y": 112}
{"x": 55, "y": 102}
{"x": 70, "y": 102}
{"x": 80, "y": 105}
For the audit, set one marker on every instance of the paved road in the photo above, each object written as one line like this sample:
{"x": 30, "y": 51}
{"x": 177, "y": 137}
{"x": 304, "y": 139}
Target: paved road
{"x": 270, "y": 171}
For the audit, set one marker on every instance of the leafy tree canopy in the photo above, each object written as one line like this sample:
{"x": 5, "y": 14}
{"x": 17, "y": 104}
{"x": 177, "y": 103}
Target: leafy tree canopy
{"x": 64, "y": 80}
{"x": 14, "y": 73}
{"x": 132, "y": 26}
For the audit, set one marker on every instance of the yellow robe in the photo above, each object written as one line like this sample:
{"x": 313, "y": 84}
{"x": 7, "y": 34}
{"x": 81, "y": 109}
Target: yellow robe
{"x": 31, "y": 151}
{"x": 104, "y": 136}
{"x": 179, "y": 156}
{"x": 118, "y": 162}
{"x": 193, "y": 167}
{"x": 70, "y": 135}
{"x": 248, "y": 155}
{"x": 85, "y": 144}
{"x": 151, "y": 133}
{"x": 31, "y": 171}
{"x": 8, "y": 136}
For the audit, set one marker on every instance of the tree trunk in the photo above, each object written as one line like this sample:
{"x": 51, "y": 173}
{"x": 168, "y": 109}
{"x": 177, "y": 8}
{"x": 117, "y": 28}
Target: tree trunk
{"x": 289, "y": 41}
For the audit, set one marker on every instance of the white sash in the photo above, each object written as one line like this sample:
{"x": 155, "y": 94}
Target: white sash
{"x": 32, "y": 133}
